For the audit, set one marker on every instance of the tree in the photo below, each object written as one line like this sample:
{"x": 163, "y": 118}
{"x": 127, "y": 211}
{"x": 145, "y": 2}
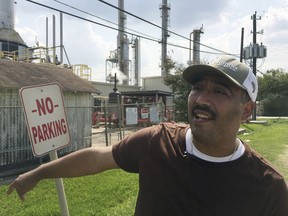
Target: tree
{"x": 180, "y": 88}
{"x": 273, "y": 92}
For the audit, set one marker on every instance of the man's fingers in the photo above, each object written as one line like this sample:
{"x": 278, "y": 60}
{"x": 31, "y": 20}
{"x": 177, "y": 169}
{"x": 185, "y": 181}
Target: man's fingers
{"x": 22, "y": 197}
{"x": 10, "y": 188}
{"x": 17, "y": 187}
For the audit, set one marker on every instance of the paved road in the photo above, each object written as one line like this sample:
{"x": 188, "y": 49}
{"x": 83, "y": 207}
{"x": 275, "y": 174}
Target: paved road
{"x": 272, "y": 117}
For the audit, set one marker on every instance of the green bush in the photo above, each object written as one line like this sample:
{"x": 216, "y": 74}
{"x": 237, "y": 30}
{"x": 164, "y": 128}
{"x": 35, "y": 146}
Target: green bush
{"x": 275, "y": 105}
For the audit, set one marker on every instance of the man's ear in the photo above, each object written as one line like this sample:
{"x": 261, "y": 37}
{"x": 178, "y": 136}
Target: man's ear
{"x": 248, "y": 108}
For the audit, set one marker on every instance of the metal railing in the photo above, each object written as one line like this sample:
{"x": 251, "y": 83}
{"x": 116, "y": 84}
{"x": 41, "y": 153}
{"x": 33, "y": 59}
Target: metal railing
{"x": 38, "y": 54}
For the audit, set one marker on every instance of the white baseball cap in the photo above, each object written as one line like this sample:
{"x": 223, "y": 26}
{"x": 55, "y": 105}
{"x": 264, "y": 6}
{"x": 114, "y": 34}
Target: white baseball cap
{"x": 238, "y": 72}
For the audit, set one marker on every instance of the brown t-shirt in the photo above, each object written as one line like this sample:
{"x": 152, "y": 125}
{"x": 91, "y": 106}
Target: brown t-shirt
{"x": 174, "y": 183}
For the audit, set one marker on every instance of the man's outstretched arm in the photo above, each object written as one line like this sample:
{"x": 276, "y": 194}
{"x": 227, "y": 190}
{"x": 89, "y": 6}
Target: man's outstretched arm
{"x": 83, "y": 162}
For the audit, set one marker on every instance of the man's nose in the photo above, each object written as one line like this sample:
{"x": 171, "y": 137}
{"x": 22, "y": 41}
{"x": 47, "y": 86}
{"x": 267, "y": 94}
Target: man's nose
{"x": 204, "y": 97}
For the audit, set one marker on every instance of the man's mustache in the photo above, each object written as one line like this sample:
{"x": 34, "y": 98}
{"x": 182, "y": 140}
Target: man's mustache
{"x": 205, "y": 108}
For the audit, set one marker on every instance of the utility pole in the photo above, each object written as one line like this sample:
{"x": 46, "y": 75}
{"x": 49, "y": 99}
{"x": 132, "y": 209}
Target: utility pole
{"x": 254, "y": 58}
{"x": 241, "y": 45}
{"x": 254, "y": 50}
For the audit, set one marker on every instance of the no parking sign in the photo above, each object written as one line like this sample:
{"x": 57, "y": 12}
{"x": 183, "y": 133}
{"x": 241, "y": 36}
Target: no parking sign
{"x": 45, "y": 117}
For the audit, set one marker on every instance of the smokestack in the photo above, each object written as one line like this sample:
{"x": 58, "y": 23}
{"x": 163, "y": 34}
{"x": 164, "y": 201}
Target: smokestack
{"x": 7, "y": 14}
{"x": 122, "y": 43}
{"x": 10, "y": 40}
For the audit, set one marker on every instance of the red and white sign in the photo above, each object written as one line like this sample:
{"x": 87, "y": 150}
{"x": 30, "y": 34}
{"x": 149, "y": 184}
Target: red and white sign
{"x": 45, "y": 117}
{"x": 145, "y": 112}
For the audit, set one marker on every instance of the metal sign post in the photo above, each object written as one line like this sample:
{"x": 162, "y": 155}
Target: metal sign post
{"x": 60, "y": 189}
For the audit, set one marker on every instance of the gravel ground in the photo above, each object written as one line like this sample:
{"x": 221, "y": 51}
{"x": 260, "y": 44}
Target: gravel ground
{"x": 113, "y": 135}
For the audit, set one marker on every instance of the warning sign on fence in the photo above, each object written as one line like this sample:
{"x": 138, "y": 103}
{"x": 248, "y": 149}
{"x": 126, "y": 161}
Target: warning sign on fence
{"x": 45, "y": 117}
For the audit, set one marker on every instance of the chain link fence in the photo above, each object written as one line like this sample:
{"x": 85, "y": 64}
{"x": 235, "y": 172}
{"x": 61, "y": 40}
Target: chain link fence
{"x": 113, "y": 121}
{"x": 100, "y": 125}
{"x": 15, "y": 144}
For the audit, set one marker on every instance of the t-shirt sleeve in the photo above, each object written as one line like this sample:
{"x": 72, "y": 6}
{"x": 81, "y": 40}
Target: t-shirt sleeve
{"x": 279, "y": 204}
{"x": 129, "y": 151}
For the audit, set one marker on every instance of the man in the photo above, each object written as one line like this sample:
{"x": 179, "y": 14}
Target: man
{"x": 196, "y": 169}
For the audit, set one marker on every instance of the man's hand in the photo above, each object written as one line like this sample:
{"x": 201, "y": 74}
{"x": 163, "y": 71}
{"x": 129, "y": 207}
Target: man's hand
{"x": 83, "y": 162}
{"x": 23, "y": 184}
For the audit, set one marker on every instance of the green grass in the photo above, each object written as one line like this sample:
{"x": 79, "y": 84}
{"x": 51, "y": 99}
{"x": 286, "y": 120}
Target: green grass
{"x": 270, "y": 140}
{"x": 110, "y": 193}
{"x": 114, "y": 192}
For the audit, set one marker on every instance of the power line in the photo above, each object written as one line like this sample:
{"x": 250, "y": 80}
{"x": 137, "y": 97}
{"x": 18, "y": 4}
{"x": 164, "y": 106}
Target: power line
{"x": 93, "y": 15}
{"x": 144, "y": 20}
{"x": 91, "y": 21}
{"x": 132, "y": 34}
{"x": 170, "y": 44}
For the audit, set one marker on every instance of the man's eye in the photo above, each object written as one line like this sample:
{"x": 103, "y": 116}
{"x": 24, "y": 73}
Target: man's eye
{"x": 220, "y": 91}
{"x": 196, "y": 88}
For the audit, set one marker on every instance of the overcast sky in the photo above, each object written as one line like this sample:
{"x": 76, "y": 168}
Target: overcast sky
{"x": 222, "y": 20}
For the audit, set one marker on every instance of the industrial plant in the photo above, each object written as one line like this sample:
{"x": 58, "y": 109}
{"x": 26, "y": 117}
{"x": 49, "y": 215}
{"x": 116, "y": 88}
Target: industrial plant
{"x": 88, "y": 103}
